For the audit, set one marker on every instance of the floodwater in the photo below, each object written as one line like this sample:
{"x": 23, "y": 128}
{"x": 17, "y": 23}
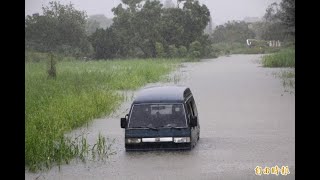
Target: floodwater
{"x": 246, "y": 118}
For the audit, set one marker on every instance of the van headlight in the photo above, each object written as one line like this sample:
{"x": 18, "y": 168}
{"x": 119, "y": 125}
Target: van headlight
{"x": 133, "y": 140}
{"x": 181, "y": 139}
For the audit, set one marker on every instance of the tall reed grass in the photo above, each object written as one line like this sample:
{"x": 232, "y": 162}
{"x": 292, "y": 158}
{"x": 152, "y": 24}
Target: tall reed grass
{"x": 284, "y": 58}
{"x": 80, "y": 92}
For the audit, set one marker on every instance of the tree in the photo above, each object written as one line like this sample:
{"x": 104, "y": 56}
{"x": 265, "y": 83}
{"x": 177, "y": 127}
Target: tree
{"x": 172, "y": 27}
{"x": 173, "y": 51}
{"x": 194, "y": 50}
{"x": 232, "y": 31}
{"x": 274, "y": 31}
{"x": 146, "y": 26}
{"x": 258, "y": 28}
{"x": 59, "y": 26}
{"x": 160, "y": 50}
{"x": 279, "y": 21}
{"x": 123, "y": 29}
{"x": 196, "y": 19}
{"x": 138, "y": 26}
{"x": 272, "y": 13}
{"x": 205, "y": 43}
{"x": 92, "y": 26}
{"x": 105, "y": 43}
{"x": 287, "y": 14}
{"x": 144, "y": 23}
{"x": 182, "y": 51}
{"x": 208, "y": 29}
{"x": 40, "y": 33}
{"x": 134, "y": 5}
{"x": 181, "y": 26}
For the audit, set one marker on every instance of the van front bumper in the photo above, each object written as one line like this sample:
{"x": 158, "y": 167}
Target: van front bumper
{"x": 158, "y": 146}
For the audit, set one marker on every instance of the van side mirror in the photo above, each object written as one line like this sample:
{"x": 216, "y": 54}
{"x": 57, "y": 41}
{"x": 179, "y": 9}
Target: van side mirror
{"x": 193, "y": 121}
{"x": 123, "y": 122}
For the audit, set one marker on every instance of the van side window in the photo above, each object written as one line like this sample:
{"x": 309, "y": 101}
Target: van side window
{"x": 190, "y": 108}
{"x": 190, "y": 105}
{"x": 194, "y": 107}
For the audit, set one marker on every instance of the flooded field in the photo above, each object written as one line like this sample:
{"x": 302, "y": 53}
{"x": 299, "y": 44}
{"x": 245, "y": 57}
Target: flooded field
{"x": 247, "y": 119}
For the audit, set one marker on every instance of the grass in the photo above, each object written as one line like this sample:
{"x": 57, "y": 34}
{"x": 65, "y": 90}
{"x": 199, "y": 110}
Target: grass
{"x": 283, "y": 58}
{"x": 288, "y": 80}
{"x": 81, "y": 92}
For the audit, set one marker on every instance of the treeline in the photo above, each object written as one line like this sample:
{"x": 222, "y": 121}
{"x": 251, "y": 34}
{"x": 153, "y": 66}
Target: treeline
{"x": 97, "y": 21}
{"x": 149, "y": 29}
{"x": 278, "y": 23}
{"x": 140, "y": 28}
{"x": 232, "y": 31}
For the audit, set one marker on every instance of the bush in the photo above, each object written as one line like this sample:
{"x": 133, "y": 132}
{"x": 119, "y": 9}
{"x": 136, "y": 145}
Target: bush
{"x": 160, "y": 50}
{"x": 194, "y": 54}
{"x": 195, "y": 46}
{"x": 173, "y": 51}
{"x": 195, "y": 49}
{"x": 182, "y": 51}
{"x": 213, "y": 55}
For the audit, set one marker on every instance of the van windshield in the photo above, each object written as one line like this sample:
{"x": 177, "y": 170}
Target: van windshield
{"x": 157, "y": 116}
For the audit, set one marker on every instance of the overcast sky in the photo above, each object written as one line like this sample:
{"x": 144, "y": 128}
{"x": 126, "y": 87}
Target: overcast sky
{"x": 221, "y": 10}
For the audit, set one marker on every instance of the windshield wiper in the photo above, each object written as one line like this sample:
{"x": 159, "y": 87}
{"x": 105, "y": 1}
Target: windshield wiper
{"x": 148, "y": 127}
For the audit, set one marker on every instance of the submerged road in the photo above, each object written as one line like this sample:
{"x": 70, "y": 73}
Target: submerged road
{"x": 246, "y": 120}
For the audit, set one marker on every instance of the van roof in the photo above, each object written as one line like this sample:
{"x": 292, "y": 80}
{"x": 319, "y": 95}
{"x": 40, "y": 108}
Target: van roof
{"x": 162, "y": 94}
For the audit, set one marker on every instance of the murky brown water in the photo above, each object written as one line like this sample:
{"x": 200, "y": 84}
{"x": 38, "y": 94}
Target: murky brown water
{"x": 246, "y": 120}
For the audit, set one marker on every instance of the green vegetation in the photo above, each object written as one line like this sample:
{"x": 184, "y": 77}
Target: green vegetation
{"x": 80, "y": 92}
{"x": 288, "y": 80}
{"x": 283, "y": 58}
{"x": 139, "y": 29}
{"x": 70, "y": 90}
{"x": 148, "y": 29}
{"x": 278, "y": 23}
{"x": 97, "y": 21}
{"x": 232, "y": 31}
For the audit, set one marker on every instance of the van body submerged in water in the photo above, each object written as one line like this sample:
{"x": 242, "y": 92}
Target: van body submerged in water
{"x": 162, "y": 118}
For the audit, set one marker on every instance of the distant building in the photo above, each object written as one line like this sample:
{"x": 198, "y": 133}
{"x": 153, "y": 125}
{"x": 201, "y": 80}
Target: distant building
{"x": 251, "y": 19}
{"x": 101, "y": 19}
{"x": 35, "y": 14}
